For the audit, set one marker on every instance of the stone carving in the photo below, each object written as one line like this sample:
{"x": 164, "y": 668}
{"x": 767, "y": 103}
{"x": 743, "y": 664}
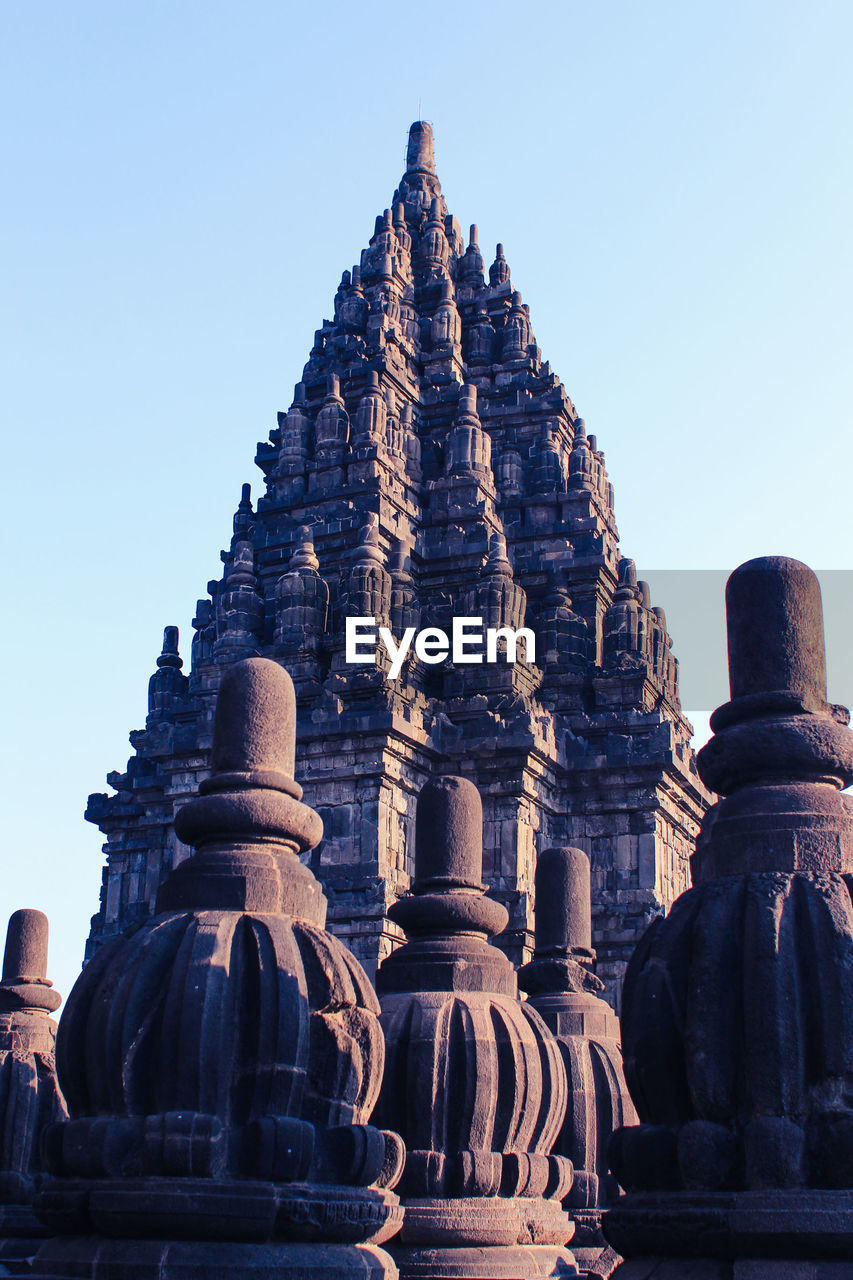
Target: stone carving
{"x": 738, "y": 1007}
{"x": 473, "y": 1079}
{"x": 221, "y": 1063}
{"x": 566, "y": 993}
{"x": 29, "y": 1095}
{"x": 406, "y": 419}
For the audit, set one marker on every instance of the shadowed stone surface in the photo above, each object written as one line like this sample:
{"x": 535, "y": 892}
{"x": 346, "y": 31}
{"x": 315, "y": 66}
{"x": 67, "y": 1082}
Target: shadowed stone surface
{"x": 566, "y": 993}
{"x": 473, "y": 1079}
{"x": 221, "y": 1063}
{"x": 432, "y": 465}
{"x": 29, "y": 1095}
{"x": 738, "y": 1013}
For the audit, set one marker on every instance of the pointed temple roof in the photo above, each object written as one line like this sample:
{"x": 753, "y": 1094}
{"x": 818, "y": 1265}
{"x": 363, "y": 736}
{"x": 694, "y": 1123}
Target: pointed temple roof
{"x": 432, "y": 465}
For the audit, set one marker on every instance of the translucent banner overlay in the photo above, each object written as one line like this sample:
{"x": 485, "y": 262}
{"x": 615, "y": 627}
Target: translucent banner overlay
{"x": 694, "y": 603}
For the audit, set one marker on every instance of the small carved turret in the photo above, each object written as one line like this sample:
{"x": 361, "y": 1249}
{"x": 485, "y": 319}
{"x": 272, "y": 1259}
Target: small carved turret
{"x": 479, "y": 340}
{"x": 351, "y": 305}
{"x": 548, "y": 473}
{"x": 469, "y": 447}
{"x": 516, "y": 336}
{"x": 405, "y": 610}
{"x": 581, "y": 461}
{"x": 499, "y": 270}
{"x": 366, "y": 585}
{"x": 496, "y": 598}
{"x": 434, "y": 248}
{"x": 295, "y": 434}
{"x": 167, "y": 688}
{"x": 473, "y": 1079}
{"x": 471, "y": 265}
{"x": 565, "y": 991}
{"x": 302, "y": 600}
{"x": 446, "y": 325}
{"x": 331, "y": 431}
{"x": 370, "y": 417}
{"x": 411, "y": 442}
{"x": 29, "y": 1095}
{"x": 562, "y": 636}
{"x": 239, "y": 608}
{"x": 623, "y": 628}
{"x": 510, "y": 473}
{"x": 243, "y": 516}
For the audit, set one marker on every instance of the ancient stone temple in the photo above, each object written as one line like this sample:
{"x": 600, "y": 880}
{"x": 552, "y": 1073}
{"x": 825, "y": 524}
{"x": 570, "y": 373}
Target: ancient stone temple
{"x": 432, "y": 466}
{"x": 738, "y": 1007}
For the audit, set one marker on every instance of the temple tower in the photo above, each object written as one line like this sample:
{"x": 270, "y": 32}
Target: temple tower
{"x": 432, "y": 465}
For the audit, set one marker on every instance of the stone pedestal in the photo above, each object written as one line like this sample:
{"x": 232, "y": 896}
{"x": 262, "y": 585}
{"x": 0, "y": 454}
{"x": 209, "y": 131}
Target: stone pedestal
{"x": 738, "y": 1007}
{"x": 473, "y": 1078}
{"x": 221, "y": 1063}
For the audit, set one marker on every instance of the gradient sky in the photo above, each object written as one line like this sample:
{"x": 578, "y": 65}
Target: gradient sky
{"x": 185, "y": 183}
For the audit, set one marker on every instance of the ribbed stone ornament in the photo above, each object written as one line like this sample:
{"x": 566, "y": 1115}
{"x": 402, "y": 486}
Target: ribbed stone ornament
{"x": 738, "y": 1008}
{"x": 222, "y": 1062}
{"x": 473, "y": 1078}
{"x": 565, "y": 992}
{"x": 29, "y": 1094}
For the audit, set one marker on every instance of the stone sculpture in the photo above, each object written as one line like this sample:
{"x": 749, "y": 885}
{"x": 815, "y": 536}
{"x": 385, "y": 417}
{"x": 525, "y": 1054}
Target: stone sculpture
{"x": 29, "y": 1095}
{"x": 221, "y": 1063}
{"x": 738, "y": 1007}
{"x": 473, "y": 1079}
{"x": 565, "y": 991}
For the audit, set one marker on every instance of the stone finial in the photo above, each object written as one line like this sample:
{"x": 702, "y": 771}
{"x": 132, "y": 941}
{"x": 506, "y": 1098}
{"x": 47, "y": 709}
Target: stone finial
{"x": 478, "y": 1170}
{"x": 564, "y": 907}
{"x": 737, "y": 1018}
{"x": 775, "y": 631}
{"x": 29, "y": 1095}
{"x": 304, "y": 555}
{"x": 25, "y": 984}
{"x": 169, "y": 656}
{"x": 499, "y": 270}
{"x": 565, "y": 992}
{"x": 420, "y": 157}
{"x": 498, "y": 562}
{"x": 167, "y": 687}
{"x": 449, "y": 837}
{"x": 226, "y": 1057}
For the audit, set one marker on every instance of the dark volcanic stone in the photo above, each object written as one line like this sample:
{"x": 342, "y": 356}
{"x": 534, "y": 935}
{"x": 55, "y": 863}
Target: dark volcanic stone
{"x": 221, "y": 1063}
{"x": 29, "y": 1095}
{"x": 738, "y": 1016}
{"x": 473, "y": 1079}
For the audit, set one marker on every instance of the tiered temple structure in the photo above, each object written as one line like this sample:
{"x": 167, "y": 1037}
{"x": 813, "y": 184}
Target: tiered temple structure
{"x": 432, "y": 465}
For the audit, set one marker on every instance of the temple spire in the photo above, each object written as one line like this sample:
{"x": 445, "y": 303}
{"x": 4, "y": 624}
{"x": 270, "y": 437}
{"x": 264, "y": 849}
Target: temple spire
{"x": 420, "y": 157}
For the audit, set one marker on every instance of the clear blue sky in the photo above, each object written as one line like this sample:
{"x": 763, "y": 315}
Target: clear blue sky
{"x": 184, "y": 184}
